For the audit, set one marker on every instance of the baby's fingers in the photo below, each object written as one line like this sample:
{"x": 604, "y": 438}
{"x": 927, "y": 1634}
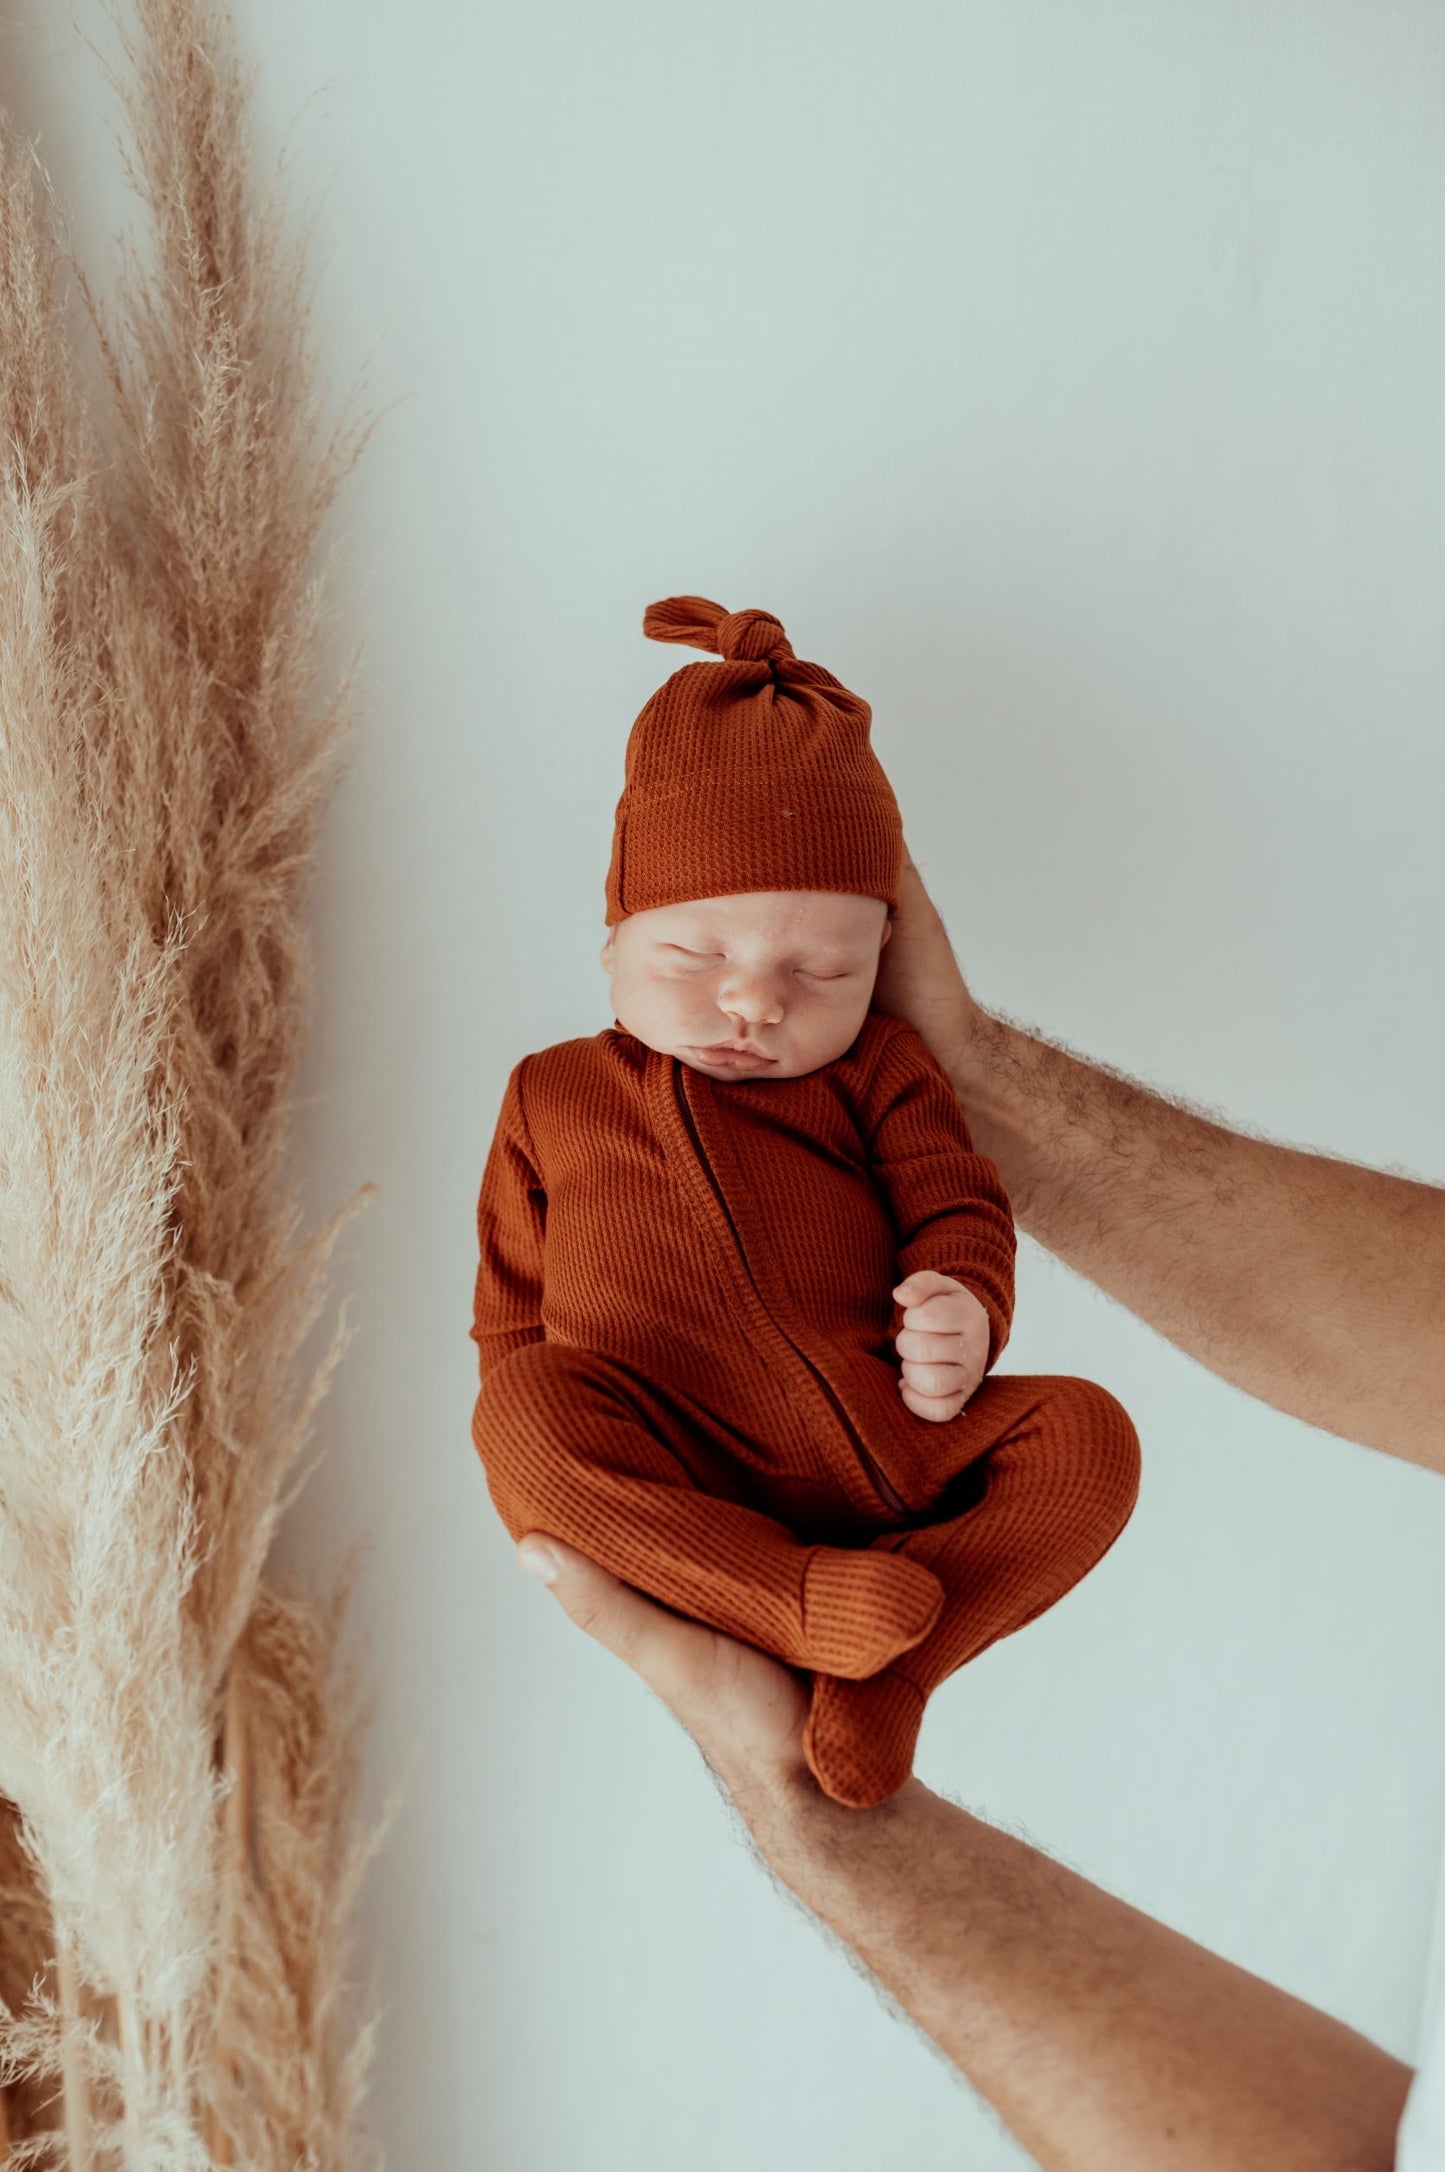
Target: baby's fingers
{"x": 924, "y": 1282}
{"x": 912, "y": 1344}
{"x": 942, "y": 1313}
{"x": 936, "y": 1407}
{"x": 935, "y": 1376}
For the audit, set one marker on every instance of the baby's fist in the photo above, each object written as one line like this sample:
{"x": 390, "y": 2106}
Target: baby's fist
{"x": 943, "y": 1343}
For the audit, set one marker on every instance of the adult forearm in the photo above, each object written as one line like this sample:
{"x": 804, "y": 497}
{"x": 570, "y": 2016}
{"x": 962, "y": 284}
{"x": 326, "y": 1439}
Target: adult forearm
{"x": 1314, "y": 1284}
{"x": 1105, "y": 2040}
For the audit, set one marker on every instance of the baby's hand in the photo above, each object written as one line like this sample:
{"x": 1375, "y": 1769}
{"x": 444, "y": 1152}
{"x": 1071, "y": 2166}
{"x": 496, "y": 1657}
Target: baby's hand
{"x": 943, "y": 1343}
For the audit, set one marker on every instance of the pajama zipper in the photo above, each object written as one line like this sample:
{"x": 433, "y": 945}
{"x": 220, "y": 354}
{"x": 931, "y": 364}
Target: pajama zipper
{"x": 870, "y": 1464}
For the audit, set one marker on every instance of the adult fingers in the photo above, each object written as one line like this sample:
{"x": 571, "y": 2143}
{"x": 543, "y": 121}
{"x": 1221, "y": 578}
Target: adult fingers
{"x": 743, "y": 1709}
{"x": 664, "y": 1648}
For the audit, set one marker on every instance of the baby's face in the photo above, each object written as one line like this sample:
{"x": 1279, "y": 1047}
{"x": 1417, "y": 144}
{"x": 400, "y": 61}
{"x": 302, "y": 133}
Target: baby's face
{"x": 786, "y": 974}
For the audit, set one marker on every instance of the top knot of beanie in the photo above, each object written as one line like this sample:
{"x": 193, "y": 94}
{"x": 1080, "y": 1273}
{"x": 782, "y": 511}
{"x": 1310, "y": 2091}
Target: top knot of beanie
{"x": 755, "y": 772}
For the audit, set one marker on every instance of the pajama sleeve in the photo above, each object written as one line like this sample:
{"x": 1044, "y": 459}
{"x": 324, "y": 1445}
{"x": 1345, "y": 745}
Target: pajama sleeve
{"x": 511, "y": 1221}
{"x": 949, "y": 1207}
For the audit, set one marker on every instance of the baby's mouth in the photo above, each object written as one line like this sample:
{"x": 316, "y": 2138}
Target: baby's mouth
{"x": 739, "y": 1055}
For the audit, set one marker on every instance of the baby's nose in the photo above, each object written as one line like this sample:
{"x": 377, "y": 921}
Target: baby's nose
{"x": 754, "y": 998}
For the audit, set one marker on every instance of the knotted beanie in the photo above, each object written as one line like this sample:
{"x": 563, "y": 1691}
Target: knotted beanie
{"x": 753, "y": 773}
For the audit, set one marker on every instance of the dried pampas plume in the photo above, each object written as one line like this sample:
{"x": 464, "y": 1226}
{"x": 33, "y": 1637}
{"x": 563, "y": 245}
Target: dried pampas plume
{"x": 179, "y": 1743}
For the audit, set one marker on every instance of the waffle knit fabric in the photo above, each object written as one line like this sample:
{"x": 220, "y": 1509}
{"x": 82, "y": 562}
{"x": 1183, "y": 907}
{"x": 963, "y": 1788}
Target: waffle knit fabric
{"x": 684, "y": 1319}
{"x": 752, "y": 773}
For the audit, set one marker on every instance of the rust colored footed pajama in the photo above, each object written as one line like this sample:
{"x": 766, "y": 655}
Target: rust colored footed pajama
{"x": 685, "y": 1322}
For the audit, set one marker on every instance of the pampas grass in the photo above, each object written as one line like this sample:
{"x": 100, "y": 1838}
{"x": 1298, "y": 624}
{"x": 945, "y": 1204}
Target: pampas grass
{"x": 179, "y": 1746}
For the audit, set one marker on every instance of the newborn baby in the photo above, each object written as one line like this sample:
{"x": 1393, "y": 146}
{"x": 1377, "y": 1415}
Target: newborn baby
{"x": 742, "y": 1278}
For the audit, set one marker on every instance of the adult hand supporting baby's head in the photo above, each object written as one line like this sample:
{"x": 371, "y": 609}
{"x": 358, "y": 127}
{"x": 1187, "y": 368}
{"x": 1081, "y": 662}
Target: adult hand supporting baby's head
{"x": 918, "y": 975}
{"x": 744, "y": 1710}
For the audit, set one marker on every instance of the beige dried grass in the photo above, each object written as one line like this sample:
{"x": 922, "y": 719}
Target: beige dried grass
{"x": 177, "y": 1945}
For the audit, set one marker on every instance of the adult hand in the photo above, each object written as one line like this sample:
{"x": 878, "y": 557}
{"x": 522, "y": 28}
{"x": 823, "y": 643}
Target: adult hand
{"x": 918, "y": 975}
{"x": 744, "y": 1710}
{"x": 1099, "y": 2036}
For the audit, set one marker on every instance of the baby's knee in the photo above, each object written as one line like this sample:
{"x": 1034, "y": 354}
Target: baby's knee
{"x": 538, "y": 1403}
{"x": 519, "y": 1428}
{"x": 1100, "y": 1427}
{"x": 538, "y": 1380}
{"x": 522, "y": 1402}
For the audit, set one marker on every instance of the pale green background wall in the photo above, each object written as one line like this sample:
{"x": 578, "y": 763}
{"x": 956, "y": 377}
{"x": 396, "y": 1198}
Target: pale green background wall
{"x": 1069, "y": 380}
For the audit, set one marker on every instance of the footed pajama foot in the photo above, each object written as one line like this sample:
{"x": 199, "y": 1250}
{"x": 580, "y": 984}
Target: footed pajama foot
{"x": 861, "y": 1610}
{"x": 859, "y": 1737}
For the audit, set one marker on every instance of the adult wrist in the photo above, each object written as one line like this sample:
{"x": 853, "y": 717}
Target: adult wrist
{"x": 970, "y": 1047}
{"x": 993, "y": 1069}
{"x": 806, "y": 1837}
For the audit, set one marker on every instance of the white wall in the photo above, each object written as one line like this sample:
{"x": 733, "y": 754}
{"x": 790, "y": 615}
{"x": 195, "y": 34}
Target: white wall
{"x": 1069, "y": 381}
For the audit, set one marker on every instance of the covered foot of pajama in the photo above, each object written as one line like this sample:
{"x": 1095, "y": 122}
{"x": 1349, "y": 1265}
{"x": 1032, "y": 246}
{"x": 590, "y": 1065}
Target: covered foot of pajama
{"x": 860, "y": 1610}
{"x": 859, "y": 1737}
{"x": 1057, "y": 1488}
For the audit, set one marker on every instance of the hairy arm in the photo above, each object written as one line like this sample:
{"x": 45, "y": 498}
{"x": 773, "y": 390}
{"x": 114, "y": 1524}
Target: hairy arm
{"x": 1315, "y": 1284}
{"x": 1105, "y": 2040}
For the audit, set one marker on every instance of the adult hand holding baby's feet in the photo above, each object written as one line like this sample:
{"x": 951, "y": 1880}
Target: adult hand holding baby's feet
{"x": 744, "y": 1710}
{"x": 943, "y": 1343}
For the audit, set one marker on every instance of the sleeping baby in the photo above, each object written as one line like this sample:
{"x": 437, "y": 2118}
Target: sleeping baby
{"x": 743, "y": 1280}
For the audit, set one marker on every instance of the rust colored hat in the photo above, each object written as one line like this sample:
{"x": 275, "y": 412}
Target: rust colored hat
{"x": 754, "y": 773}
